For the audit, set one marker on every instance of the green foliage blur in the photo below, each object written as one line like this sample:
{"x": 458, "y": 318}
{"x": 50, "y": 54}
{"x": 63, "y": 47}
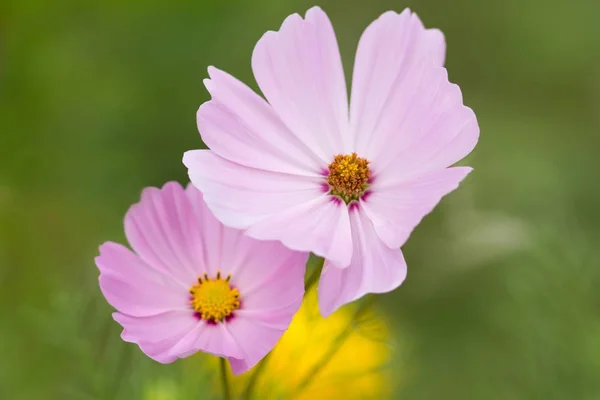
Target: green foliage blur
{"x": 98, "y": 100}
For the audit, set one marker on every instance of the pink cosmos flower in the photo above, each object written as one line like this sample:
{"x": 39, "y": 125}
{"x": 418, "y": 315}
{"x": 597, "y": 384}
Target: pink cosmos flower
{"x": 347, "y": 182}
{"x": 194, "y": 285}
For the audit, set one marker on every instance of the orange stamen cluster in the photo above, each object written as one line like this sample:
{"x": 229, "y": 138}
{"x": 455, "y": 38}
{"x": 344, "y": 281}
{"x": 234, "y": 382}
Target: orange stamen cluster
{"x": 214, "y": 299}
{"x": 348, "y": 176}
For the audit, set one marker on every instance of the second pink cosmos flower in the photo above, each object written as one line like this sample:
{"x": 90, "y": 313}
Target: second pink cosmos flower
{"x": 347, "y": 182}
{"x": 194, "y": 285}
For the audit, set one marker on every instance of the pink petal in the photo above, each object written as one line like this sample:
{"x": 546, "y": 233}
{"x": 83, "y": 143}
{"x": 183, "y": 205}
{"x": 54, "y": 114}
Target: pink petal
{"x": 254, "y": 339}
{"x": 156, "y": 328}
{"x": 375, "y": 268}
{"x": 392, "y": 54}
{"x": 160, "y": 351}
{"x": 157, "y": 334}
{"x": 133, "y": 287}
{"x": 396, "y": 209}
{"x": 272, "y": 278}
{"x": 443, "y": 132}
{"x": 436, "y": 45}
{"x": 279, "y": 317}
{"x": 321, "y": 226}
{"x": 240, "y": 196}
{"x": 300, "y": 72}
{"x": 240, "y": 126}
{"x": 217, "y": 240}
{"x": 210, "y": 338}
{"x": 162, "y": 229}
{"x": 262, "y": 270}
{"x": 239, "y": 366}
{"x": 251, "y": 263}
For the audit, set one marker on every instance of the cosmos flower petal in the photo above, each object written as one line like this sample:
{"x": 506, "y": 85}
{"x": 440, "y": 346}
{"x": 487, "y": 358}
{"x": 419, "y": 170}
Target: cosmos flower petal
{"x": 375, "y": 268}
{"x": 251, "y": 264}
{"x": 155, "y": 328}
{"x": 254, "y": 339}
{"x": 239, "y": 366}
{"x": 159, "y": 351}
{"x": 282, "y": 282}
{"x": 130, "y": 285}
{"x": 213, "y": 238}
{"x": 390, "y": 55}
{"x": 160, "y": 228}
{"x": 277, "y": 316}
{"x": 242, "y": 127}
{"x": 210, "y": 338}
{"x": 429, "y": 129}
{"x": 239, "y": 196}
{"x": 436, "y": 44}
{"x": 299, "y": 70}
{"x": 157, "y": 334}
{"x": 396, "y": 209}
{"x": 321, "y": 226}
{"x": 254, "y": 267}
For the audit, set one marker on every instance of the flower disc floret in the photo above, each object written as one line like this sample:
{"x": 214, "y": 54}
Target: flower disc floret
{"x": 348, "y": 176}
{"x": 214, "y": 299}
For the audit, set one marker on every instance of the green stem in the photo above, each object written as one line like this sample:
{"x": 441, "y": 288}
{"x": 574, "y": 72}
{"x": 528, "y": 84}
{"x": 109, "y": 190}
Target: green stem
{"x": 254, "y": 378}
{"x": 312, "y": 279}
{"x": 224, "y": 380}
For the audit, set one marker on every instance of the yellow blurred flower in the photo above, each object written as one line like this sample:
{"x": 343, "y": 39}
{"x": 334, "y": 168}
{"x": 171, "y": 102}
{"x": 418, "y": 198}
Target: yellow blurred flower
{"x": 345, "y": 356}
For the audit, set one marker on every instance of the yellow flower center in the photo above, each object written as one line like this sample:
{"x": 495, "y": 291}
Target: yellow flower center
{"x": 348, "y": 176}
{"x": 214, "y": 299}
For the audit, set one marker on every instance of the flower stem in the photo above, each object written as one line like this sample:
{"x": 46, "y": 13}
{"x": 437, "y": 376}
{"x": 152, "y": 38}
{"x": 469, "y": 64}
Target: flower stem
{"x": 312, "y": 279}
{"x": 224, "y": 380}
{"x": 254, "y": 378}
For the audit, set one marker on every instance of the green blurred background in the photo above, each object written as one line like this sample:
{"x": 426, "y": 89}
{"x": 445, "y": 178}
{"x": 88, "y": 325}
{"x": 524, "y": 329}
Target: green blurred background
{"x": 98, "y": 100}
